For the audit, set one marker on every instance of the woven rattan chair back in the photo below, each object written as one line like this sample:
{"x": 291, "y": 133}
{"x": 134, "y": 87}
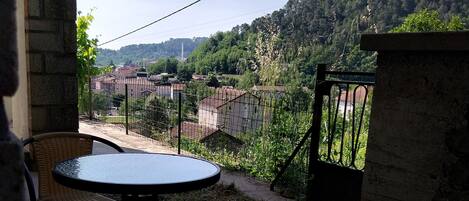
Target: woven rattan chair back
{"x": 51, "y": 148}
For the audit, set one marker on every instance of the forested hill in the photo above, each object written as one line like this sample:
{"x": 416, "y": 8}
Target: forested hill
{"x": 307, "y": 32}
{"x": 136, "y": 53}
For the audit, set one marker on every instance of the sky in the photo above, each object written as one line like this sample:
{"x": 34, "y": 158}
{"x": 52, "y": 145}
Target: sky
{"x": 116, "y": 17}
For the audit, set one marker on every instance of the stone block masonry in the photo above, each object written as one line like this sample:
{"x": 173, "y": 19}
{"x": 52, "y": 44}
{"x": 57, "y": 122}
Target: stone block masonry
{"x": 51, "y": 51}
{"x": 419, "y": 129}
{"x": 11, "y": 150}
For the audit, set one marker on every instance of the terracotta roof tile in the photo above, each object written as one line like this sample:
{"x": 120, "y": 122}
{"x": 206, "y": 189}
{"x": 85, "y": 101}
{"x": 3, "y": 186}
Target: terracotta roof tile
{"x": 178, "y": 87}
{"x": 360, "y": 94}
{"x": 221, "y": 97}
{"x": 193, "y": 130}
{"x": 269, "y": 88}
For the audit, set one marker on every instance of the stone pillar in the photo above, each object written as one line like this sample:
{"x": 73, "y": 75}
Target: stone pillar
{"x": 418, "y": 146}
{"x": 11, "y": 169}
{"x": 51, "y": 43}
{"x": 11, "y": 151}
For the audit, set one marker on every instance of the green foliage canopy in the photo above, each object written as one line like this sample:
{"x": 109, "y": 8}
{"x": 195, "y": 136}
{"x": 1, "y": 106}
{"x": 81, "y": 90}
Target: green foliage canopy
{"x": 428, "y": 21}
{"x": 212, "y": 80}
{"x": 164, "y": 65}
{"x": 86, "y": 57}
{"x": 307, "y": 32}
{"x": 101, "y": 103}
{"x": 86, "y": 51}
{"x": 247, "y": 80}
{"x": 184, "y": 72}
{"x": 195, "y": 92}
{"x": 155, "y": 115}
{"x": 147, "y": 52}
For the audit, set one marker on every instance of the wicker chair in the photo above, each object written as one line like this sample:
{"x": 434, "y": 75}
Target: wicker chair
{"x": 50, "y": 148}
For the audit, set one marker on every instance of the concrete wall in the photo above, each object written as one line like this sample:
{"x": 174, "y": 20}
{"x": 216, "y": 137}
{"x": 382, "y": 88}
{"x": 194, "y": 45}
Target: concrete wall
{"x": 418, "y": 146}
{"x": 244, "y": 114}
{"x": 208, "y": 117}
{"x": 20, "y": 115}
{"x": 51, "y": 52}
{"x": 8, "y": 109}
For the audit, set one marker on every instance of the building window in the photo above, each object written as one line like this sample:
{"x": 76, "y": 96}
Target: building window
{"x": 255, "y": 109}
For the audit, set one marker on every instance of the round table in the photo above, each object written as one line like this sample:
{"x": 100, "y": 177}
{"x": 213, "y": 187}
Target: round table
{"x": 136, "y": 174}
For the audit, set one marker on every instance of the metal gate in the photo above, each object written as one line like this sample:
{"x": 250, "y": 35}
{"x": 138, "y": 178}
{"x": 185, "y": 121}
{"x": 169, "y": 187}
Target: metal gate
{"x": 338, "y": 135}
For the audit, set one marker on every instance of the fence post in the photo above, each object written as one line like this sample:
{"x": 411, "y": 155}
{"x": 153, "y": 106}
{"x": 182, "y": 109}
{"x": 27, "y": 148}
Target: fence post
{"x": 316, "y": 128}
{"x": 90, "y": 98}
{"x": 126, "y": 111}
{"x": 179, "y": 121}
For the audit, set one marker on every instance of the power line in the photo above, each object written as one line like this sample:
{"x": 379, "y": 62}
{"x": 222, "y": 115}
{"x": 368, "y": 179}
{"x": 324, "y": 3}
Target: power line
{"x": 147, "y": 25}
{"x": 213, "y": 22}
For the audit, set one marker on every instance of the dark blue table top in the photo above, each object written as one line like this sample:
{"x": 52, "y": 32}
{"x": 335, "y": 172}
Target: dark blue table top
{"x": 137, "y": 173}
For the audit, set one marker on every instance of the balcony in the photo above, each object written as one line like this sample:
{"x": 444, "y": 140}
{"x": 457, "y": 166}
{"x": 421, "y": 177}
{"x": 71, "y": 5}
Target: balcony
{"x": 416, "y": 145}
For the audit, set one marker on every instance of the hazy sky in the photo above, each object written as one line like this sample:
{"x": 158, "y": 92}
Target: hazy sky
{"x": 116, "y": 17}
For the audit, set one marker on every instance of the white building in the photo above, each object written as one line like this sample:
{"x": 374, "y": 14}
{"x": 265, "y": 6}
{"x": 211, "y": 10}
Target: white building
{"x": 177, "y": 89}
{"x": 232, "y": 111}
{"x": 357, "y": 95}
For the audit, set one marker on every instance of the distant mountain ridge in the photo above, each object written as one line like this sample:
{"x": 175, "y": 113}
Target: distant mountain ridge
{"x": 149, "y": 52}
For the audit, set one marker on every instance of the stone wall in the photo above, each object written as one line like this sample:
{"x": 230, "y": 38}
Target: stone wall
{"x": 8, "y": 49}
{"x": 418, "y": 146}
{"x": 51, "y": 43}
{"x": 11, "y": 170}
{"x": 11, "y": 151}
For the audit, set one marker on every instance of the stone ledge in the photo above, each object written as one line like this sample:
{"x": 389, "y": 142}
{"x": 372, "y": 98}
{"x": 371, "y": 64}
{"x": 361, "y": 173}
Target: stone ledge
{"x": 431, "y": 41}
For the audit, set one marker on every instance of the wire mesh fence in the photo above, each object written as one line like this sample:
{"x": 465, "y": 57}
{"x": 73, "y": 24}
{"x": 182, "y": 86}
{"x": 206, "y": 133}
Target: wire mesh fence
{"x": 251, "y": 130}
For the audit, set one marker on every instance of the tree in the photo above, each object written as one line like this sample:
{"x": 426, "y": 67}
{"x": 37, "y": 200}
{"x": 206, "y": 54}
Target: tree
{"x": 213, "y": 81}
{"x": 230, "y": 82}
{"x": 145, "y": 52}
{"x": 136, "y": 106}
{"x": 117, "y": 99}
{"x": 184, "y": 73}
{"x": 86, "y": 57}
{"x": 128, "y": 62}
{"x": 428, "y": 21}
{"x": 164, "y": 65}
{"x": 194, "y": 92}
{"x": 247, "y": 80}
{"x": 101, "y": 103}
{"x": 307, "y": 32}
{"x": 155, "y": 115}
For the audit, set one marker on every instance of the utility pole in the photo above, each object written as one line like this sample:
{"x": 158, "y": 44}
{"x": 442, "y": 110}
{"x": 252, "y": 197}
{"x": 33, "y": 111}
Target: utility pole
{"x": 182, "y": 51}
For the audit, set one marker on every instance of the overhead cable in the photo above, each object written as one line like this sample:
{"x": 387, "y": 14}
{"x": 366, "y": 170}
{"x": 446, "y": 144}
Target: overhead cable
{"x": 151, "y": 23}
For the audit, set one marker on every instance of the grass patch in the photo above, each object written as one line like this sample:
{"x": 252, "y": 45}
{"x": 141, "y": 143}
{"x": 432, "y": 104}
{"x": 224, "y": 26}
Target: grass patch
{"x": 115, "y": 119}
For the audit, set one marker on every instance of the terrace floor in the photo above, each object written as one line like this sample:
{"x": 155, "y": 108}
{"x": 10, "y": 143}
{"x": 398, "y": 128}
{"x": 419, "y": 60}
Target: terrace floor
{"x": 135, "y": 143}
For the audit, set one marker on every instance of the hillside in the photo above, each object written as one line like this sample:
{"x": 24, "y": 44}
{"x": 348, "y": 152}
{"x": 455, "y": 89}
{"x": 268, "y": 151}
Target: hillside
{"x": 136, "y": 53}
{"x": 285, "y": 45}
